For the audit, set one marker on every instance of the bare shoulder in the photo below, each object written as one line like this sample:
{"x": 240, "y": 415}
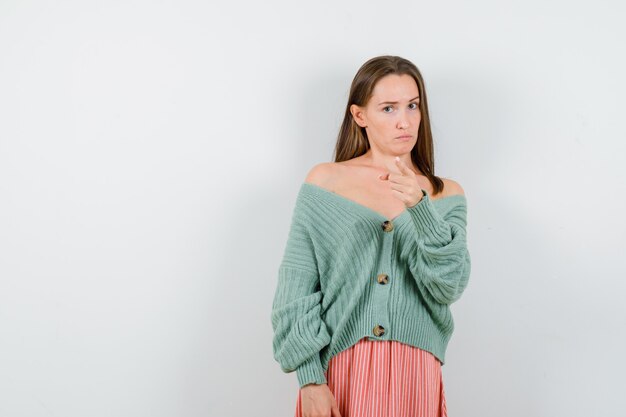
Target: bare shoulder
{"x": 452, "y": 187}
{"x": 321, "y": 173}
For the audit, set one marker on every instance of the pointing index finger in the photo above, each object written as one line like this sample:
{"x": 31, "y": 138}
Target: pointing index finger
{"x": 403, "y": 168}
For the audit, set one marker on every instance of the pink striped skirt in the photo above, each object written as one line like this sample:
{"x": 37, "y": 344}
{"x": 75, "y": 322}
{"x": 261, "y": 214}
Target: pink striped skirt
{"x": 375, "y": 378}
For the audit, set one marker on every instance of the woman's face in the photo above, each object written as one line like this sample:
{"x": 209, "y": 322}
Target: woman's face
{"x": 392, "y": 116}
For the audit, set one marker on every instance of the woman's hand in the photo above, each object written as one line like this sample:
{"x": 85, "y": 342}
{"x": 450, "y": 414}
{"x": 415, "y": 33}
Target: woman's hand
{"x": 406, "y": 186}
{"x": 318, "y": 401}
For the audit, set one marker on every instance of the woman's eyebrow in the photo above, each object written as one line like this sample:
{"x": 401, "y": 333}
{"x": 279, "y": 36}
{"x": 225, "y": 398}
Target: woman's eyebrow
{"x": 395, "y": 102}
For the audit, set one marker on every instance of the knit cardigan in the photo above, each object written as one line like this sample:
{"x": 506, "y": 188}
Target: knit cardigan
{"x": 329, "y": 293}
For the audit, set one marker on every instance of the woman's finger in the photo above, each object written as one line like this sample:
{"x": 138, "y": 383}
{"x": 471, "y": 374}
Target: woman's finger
{"x": 402, "y": 167}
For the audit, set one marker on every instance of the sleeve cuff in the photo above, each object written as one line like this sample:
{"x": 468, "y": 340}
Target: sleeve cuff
{"x": 311, "y": 371}
{"x": 428, "y": 221}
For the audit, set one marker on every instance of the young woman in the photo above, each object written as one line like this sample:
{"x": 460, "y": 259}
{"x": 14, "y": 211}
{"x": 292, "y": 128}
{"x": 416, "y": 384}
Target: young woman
{"x": 376, "y": 253}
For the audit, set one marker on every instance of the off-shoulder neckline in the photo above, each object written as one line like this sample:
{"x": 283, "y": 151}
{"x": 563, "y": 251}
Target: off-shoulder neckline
{"x": 321, "y": 191}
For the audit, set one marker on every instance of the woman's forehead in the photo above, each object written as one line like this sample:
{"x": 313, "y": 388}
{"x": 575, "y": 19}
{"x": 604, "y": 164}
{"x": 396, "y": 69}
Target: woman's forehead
{"x": 395, "y": 88}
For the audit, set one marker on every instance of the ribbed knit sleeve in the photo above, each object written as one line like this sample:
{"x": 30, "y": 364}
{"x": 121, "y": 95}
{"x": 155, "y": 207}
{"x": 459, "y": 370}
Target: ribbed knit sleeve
{"x": 299, "y": 331}
{"x": 441, "y": 265}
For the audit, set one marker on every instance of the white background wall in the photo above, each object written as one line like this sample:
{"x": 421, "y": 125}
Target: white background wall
{"x": 150, "y": 155}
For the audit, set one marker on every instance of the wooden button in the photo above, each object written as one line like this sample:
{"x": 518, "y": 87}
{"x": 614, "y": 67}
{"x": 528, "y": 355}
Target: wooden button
{"x": 383, "y": 278}
{"x": 379, "y": 330}
{"x": 387, "y": 226}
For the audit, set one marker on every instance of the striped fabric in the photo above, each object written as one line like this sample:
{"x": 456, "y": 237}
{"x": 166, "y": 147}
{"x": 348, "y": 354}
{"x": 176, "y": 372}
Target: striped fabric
{"x": 375, "y": 378}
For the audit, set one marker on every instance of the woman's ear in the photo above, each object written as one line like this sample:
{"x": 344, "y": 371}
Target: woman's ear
{"x": 358, "y": 116}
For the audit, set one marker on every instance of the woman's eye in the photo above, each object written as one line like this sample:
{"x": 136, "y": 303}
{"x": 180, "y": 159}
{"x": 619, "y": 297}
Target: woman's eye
{"x": 414, "y": 106}
{"x": 385, "y": 109}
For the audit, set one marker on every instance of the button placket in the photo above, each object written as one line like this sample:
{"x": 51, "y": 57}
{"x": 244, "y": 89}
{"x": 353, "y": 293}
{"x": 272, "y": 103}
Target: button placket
{"x": 380, "y": 327}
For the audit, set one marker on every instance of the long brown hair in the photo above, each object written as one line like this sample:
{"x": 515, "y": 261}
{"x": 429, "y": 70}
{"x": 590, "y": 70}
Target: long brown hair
{"x": 352, "y": 140}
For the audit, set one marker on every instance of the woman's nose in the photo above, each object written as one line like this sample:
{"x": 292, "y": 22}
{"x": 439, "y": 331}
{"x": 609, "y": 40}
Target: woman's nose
{"x": 402, "y": 123}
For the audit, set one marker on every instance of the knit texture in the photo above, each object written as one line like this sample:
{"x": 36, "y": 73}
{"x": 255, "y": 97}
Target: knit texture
{"x": 328, "y": 296}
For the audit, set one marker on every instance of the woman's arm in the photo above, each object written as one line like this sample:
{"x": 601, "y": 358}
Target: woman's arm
{"x": 442, "y": 261}
{"x": 299, "y": 331}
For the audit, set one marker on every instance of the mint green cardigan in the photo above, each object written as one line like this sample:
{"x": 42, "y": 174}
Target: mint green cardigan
{"x": 330, "y": 293}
